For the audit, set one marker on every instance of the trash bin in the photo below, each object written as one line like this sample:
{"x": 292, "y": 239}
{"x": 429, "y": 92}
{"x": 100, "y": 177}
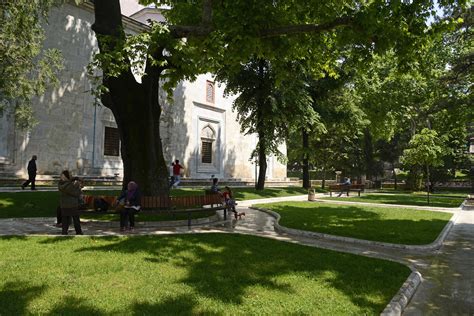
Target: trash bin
{"x": 311, "y": 195}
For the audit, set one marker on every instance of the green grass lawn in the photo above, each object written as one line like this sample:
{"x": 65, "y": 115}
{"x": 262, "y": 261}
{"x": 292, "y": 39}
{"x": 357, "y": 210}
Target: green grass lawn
{"x": 461, "y": 193}
{"x": 252, "y": 194}
{"x": 44, "y": 203}
{"x": 206, "y": 274}
{"x": 419, "y": 199}
{"x": 385, "y": 224}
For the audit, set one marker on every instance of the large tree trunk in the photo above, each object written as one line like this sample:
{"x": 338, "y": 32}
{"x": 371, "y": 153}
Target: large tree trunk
{"x": 262, "y": 163}
{"x": 368, "y": 155}
{"x": 428, "y": 183}
{"x": 323, "y": 182}
{"x": 306, "y": 180}
{"x": 135, "y": 108}
{"x": 262, "y": 156}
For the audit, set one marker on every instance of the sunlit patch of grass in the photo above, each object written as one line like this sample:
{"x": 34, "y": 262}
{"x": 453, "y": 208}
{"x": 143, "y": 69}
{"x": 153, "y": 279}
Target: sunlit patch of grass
{"x": 418, "y": 199}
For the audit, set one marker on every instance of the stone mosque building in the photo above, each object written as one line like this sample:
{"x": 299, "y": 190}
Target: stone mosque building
{"x": 199, "y": 128}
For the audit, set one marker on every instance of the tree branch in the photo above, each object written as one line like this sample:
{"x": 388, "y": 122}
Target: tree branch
{"x": 207, "y": 12}
{"x": 306, "y": 28}
{"x": 180, "y": 31}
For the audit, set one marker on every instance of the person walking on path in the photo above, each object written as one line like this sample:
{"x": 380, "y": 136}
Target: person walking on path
{"x": 70, "y": 192}
{"x": 177, "y": 169}
{"x": 31, "y": 174}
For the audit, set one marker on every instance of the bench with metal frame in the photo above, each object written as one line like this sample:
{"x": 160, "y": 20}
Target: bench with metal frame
{"x": 346, "y": 188}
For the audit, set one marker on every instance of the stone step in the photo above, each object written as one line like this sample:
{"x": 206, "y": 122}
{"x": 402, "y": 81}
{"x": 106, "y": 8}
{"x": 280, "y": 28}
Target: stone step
{"x": 13, "y": 180}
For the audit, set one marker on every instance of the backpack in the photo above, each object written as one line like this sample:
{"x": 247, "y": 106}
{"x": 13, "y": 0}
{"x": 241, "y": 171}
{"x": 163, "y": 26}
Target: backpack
{"x": 101, "y": 205}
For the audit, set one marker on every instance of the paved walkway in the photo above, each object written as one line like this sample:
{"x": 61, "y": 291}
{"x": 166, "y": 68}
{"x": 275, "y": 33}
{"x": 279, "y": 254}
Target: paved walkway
{"x": 448, "y": 274}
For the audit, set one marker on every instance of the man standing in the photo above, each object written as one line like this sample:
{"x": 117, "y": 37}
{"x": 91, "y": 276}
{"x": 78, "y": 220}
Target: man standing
{"x": 177, "y": 173}
{"x": 31, "y": 174}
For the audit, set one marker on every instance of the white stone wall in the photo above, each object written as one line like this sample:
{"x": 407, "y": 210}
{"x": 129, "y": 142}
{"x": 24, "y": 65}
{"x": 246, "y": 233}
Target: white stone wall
{"x": 190, "y": 114}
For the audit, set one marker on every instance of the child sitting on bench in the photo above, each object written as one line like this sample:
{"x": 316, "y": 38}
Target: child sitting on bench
{"x": 230, "y": 202}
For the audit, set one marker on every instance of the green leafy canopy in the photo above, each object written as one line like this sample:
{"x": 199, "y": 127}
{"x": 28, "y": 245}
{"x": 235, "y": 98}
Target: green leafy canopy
{"x": 26, "y": 69}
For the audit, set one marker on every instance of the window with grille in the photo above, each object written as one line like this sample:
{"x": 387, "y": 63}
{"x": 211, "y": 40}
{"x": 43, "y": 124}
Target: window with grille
{"x": 111, "y": 142}
{"x": 206, "y": 151}
{"x": 210, "y": 91}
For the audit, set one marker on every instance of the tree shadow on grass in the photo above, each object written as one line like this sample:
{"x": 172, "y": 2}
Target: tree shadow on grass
{"x": 56, "y": 240}
{"x": 28, "y": 204}
{"x": 8, "y": 238}
{"x": 178, "y": 305}
{"x": 71, "y": 305}
{"x": 227, "y": 267}
{"x": 16, "y": 296}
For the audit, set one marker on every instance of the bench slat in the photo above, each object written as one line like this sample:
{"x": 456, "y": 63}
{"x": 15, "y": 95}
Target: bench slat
{"x": 162, "y": 202}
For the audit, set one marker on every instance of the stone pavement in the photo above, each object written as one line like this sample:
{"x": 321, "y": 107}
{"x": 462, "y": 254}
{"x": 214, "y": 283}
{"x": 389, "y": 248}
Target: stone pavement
{"x": 448, "y": 273}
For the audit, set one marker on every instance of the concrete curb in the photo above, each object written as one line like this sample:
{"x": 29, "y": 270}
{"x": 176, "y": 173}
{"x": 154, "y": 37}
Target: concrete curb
{"x": 400, "y": 301}
{"x": 423, "y": 248}
{"x": 468, "y": 205}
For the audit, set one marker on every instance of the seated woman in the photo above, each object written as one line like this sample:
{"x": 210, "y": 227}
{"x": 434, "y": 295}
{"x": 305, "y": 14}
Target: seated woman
{"x": 230, "y": 202}
{"x": 129, "y": 205}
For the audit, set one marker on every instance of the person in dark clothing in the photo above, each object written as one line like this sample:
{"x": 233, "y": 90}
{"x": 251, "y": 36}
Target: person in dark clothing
{"x": 70, "y": 191}
{"x": 129, "y": 205}
{"x": 215, "y": 187}
{"x": 345, "y": 186}
{"x": 31, "y": 174}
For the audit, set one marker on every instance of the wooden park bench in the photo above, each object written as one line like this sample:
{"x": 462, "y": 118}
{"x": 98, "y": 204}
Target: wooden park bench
{"x": 163, "y": 204}
{"x": 346, "y": 188}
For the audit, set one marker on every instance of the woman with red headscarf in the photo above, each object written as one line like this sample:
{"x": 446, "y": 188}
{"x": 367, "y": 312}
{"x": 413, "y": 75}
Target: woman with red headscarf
{"x": 129, "y": 201}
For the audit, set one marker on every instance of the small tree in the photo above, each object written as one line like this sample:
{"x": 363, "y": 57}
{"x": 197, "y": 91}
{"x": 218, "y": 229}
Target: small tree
{"x": 424, "y": 150}
{"x": 26, "y": 69}
{"x": 268, "y": 104}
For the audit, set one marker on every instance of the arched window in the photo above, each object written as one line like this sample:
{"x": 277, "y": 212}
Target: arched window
{"x": 208, "y": 137}
{"x": 210, "y": 91}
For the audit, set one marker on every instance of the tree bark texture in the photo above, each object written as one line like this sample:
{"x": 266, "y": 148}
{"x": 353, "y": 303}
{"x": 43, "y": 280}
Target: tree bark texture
{"x": 306, "y": 180}
{"x": 262, "y": 163}
{"x": 368, "y": 155}
{"x": 262, "y": 156}
{"x": 135, "y": 107}
{"x": 323, "y": 182}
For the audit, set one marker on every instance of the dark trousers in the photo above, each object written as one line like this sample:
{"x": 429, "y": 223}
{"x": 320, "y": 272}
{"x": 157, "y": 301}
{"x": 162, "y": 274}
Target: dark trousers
{"x": 31, "y": 179}
{"x": 66, "y": 221}
{"x": 127, "y": 215}
{"x": 59, "y": 217}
